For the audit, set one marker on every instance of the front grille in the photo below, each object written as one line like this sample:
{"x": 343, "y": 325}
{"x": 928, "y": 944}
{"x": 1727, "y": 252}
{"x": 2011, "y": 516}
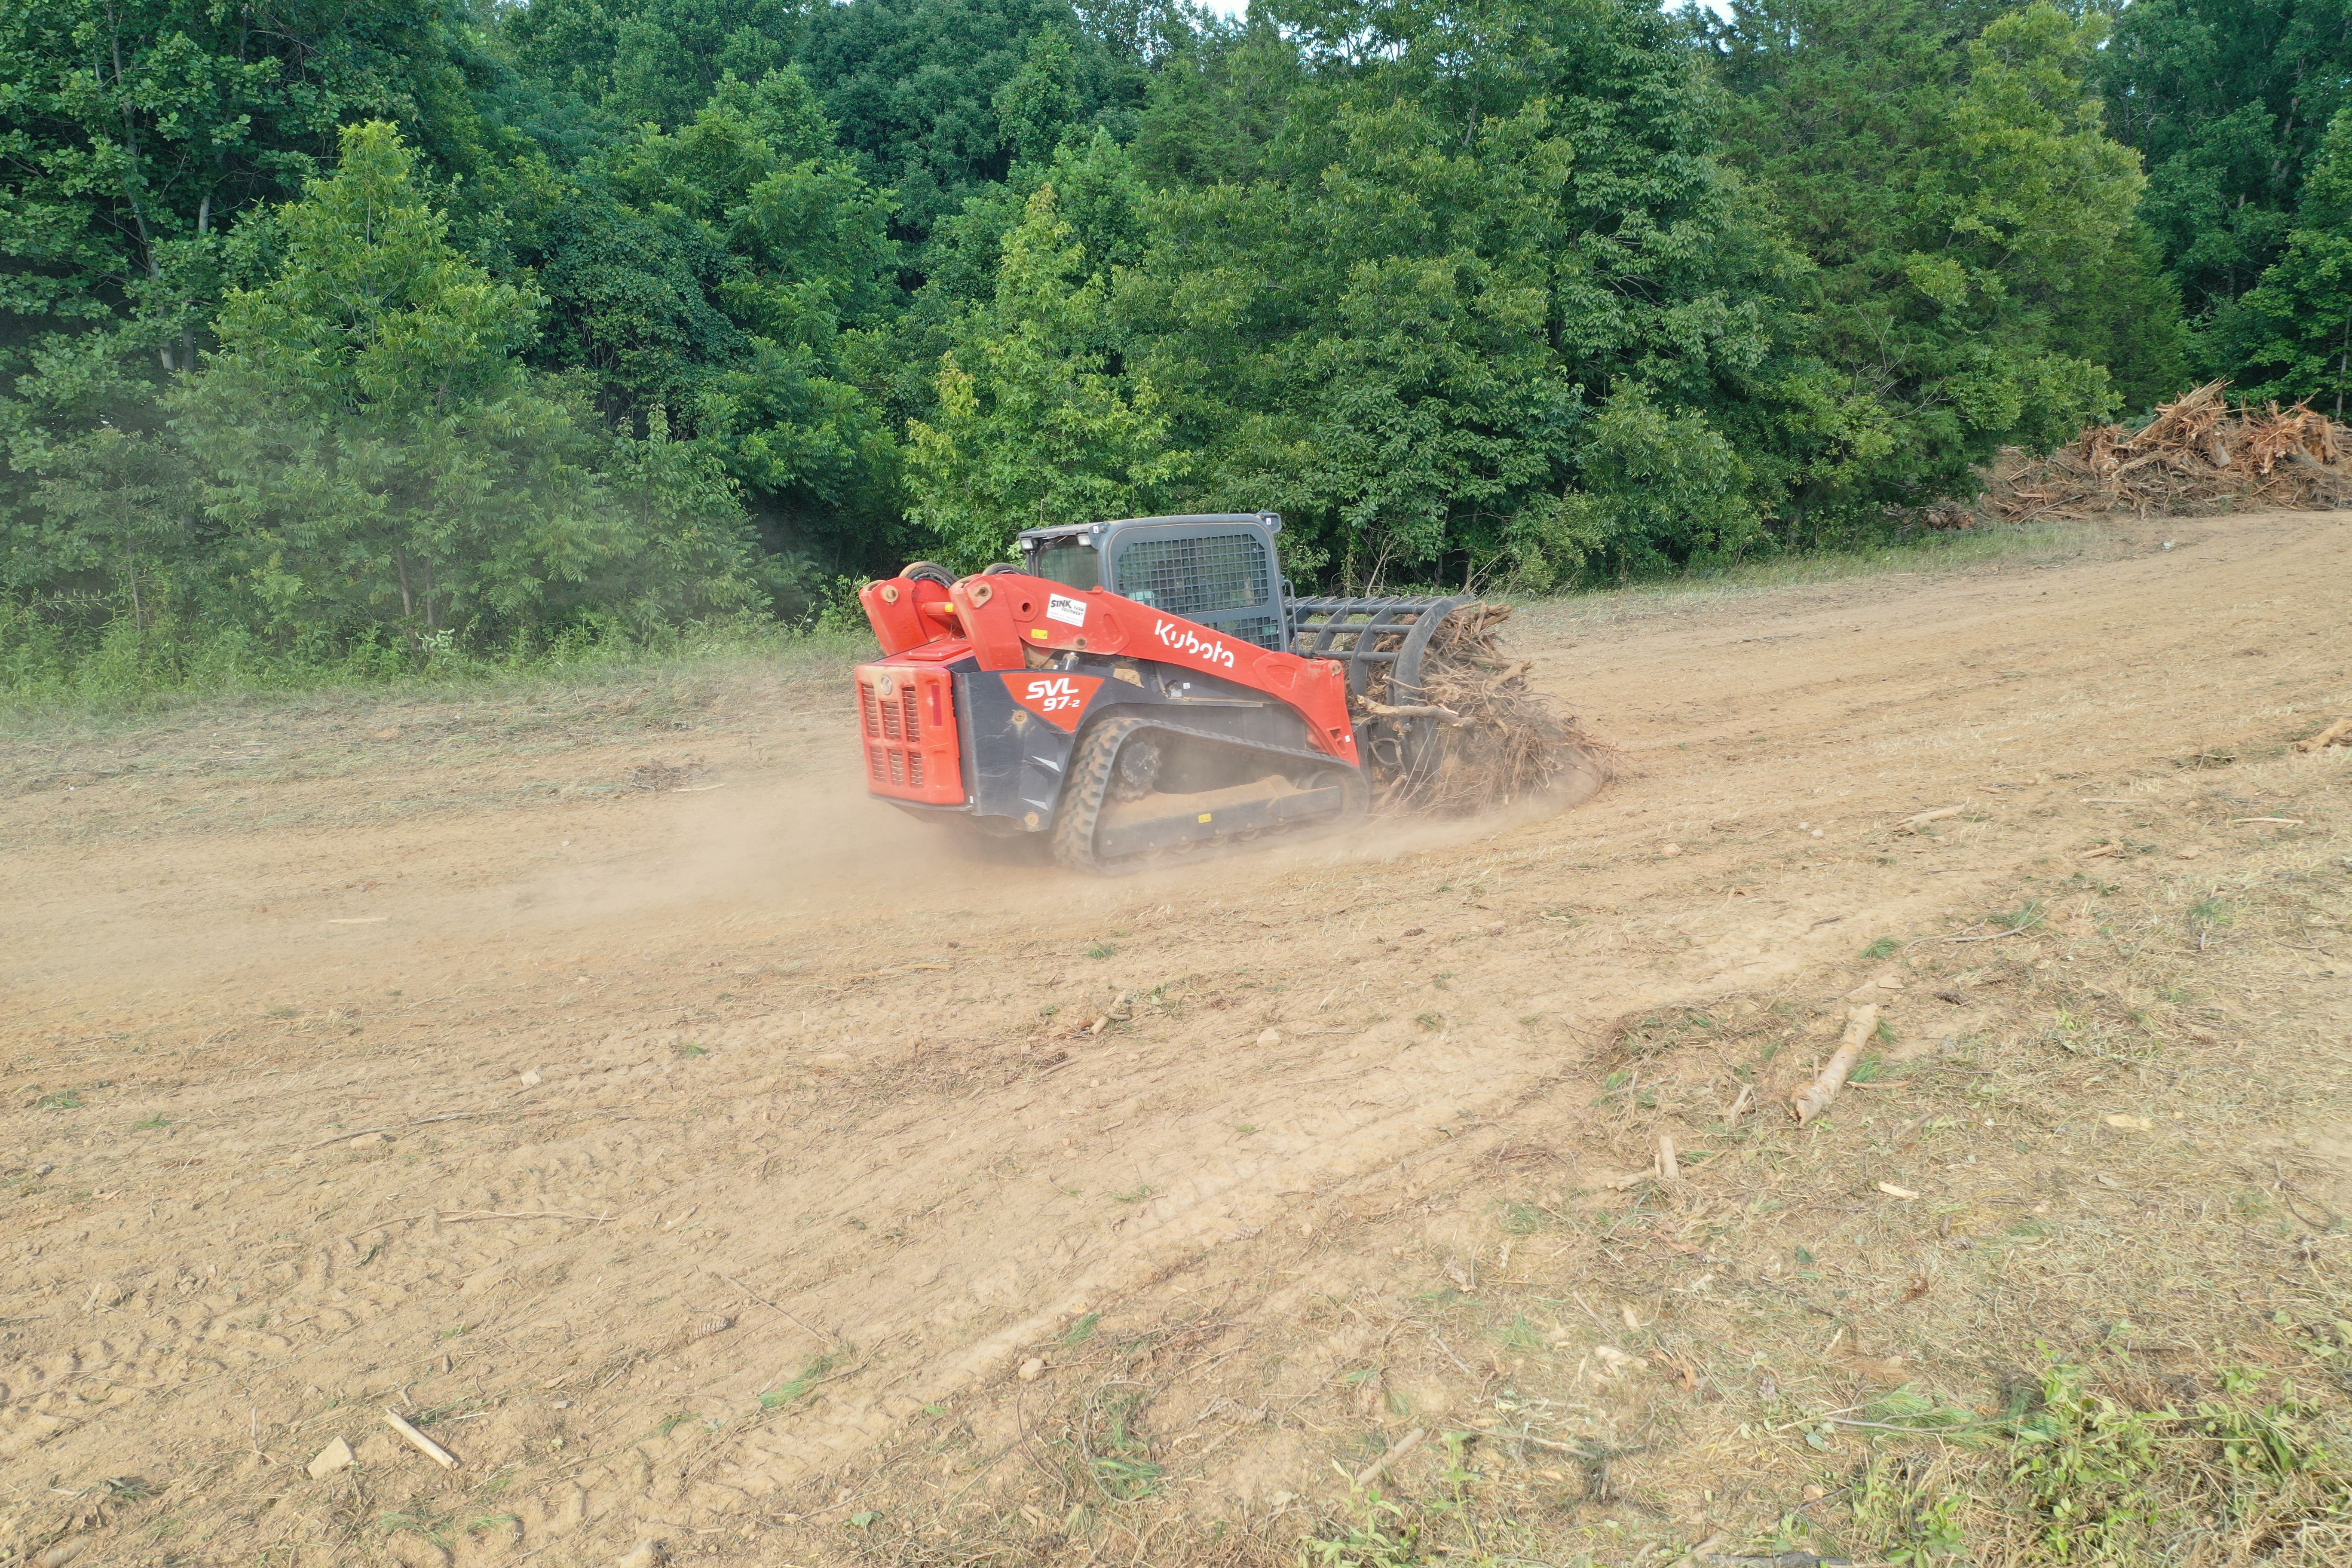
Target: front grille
{"x": 900, "y": 719}
{"x": 911, "y": 749}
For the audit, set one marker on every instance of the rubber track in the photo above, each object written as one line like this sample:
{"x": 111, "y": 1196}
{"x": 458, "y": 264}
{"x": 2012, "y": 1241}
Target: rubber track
{"x": 1087, "y": 786}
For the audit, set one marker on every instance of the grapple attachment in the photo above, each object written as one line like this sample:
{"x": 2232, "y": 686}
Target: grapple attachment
{"x": 1383, "y": 644}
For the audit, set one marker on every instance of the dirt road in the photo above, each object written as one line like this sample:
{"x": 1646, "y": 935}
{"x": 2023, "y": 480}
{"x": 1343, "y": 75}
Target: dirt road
{"x": 705, "y": 1156}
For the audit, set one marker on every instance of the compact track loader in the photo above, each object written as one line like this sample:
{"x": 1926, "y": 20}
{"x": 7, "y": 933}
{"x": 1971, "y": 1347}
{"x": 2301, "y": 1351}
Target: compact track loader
{"x": 1149, "y": 688}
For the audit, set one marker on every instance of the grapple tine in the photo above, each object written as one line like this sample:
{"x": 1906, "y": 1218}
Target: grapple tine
{"x": 1380, "y": 641}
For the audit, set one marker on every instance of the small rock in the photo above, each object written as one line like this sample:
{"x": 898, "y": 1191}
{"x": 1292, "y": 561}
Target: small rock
{"x": 369, "y": 1141}
{"x": 43, "y": 1170}
{"x": 530, "y": 1078}
{"x": 2190, "y": 853}
{"x": 1815, "y": 1494}
{"x": 2130, "y": 1123}
{"x": 1672, "y": 849}
{"x": 648, "y": 1554}
{"x": 1269, "y": 1037}
{"x": 1032, "y": 1369}
{"x": 335, "y": 1456}
{"x": 63, "y": 1552}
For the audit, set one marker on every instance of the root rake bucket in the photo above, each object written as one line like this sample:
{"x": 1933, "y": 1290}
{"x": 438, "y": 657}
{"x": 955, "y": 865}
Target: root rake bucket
{"x": 1382, "y": 642}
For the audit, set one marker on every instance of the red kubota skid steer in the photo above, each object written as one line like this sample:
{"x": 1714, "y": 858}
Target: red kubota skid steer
{"x": 1141, "y": 688}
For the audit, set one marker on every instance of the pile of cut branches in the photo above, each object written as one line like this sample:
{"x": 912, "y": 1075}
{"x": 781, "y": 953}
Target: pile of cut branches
{"x": 1497, "y": 740}
{"x": 2199, "y": 454}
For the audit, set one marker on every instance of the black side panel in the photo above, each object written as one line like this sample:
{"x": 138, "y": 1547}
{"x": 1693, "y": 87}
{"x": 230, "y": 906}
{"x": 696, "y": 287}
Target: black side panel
{"x": 1012, "y": 759}
{"x": 1014, "y": 762}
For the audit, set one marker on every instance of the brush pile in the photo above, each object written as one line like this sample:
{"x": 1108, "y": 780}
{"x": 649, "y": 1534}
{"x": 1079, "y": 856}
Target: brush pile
{"x": 1495, "y": 740}
{"x": 2197, "y": 455}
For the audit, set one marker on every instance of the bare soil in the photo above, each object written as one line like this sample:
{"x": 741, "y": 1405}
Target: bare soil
{"x": 725, "y": 1168}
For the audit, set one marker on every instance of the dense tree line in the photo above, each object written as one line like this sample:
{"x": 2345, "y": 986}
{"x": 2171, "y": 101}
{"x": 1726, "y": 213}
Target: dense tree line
{"x": 370, "y": 333}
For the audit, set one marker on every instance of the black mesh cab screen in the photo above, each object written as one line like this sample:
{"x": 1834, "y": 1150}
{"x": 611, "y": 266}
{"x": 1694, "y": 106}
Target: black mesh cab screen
{"x": 1201, "y": 578}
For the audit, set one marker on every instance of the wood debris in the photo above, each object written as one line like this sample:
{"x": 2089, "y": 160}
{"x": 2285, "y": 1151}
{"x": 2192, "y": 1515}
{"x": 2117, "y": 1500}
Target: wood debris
{"x": 1860, "y": 1023}
{"x": 422, "y": 1445}
{"x": 1397, "y": 1450}
{"x": 1504, "y": 741}
{"x": 2337, "y": 734}
{"x": 2199, "y": 454}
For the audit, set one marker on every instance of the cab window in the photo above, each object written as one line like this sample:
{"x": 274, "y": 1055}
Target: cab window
{"x": 1067, "y": 562}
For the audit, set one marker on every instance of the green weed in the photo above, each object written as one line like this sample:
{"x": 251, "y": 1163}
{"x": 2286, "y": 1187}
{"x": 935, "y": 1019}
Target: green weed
{"x": 1382, "y": 1533}
{"x": 1121, "y": 1458}
{"x": 799, "y": 1387}
{"x": 2026, "y": 916}
{"x": 1898, "y": 1503}
{"x": 1520, "y": 1219}
{"x": 2084, "y": 1463}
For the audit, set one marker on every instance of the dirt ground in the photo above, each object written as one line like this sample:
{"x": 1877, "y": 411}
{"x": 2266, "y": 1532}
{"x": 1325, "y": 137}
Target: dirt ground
{"x": 724, "y": 1168}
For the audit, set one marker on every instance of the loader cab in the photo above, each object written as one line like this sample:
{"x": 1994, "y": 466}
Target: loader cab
{"x": 1217, "y": 570}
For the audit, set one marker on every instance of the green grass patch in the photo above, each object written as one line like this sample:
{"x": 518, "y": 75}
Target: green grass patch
{"x": 799, "y": 1387}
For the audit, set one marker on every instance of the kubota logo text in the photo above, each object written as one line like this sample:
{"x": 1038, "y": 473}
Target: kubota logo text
{"x": 1182, "y": 638}
{"x": 1056, "y": 695}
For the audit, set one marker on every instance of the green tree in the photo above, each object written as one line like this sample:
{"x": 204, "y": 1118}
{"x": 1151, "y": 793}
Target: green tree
{"x": 648, "y": 61}
{"x": 132, "y": 132}
{"x": 921, "y": 89}
{"x": 2228, "y": 100}
{"x": 1041, "y": 429}
{"x": 793, "y": 251}
{"x": 377, "y": 464}
{"x": 1394, "y": 278}
{"x": 2291, "y": 334}
{"x": 1970, "y": 229}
